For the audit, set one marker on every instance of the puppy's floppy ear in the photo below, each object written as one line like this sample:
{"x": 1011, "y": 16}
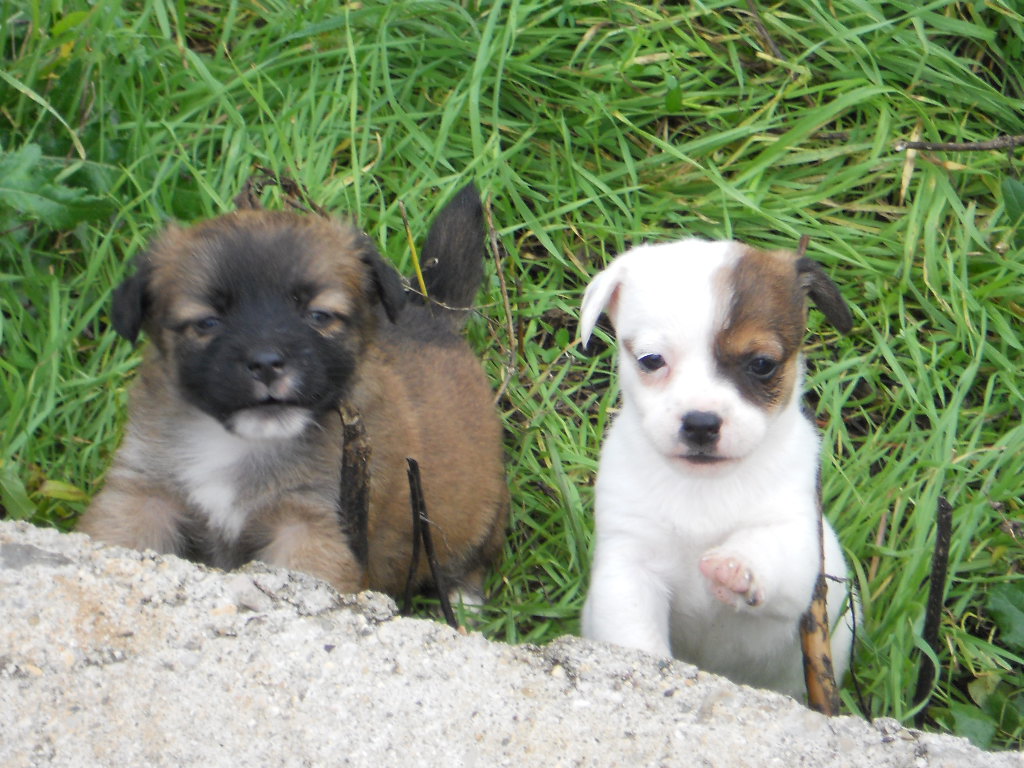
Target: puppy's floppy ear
{"x": 824, "y": 293}
{"x": 599, "y": 296}
{"x": 385, "y": 281}
{"x": 132, "y": 301}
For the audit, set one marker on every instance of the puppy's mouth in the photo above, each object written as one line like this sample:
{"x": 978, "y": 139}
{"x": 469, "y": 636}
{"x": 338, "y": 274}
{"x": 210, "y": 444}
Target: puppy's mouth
{"x": 271, "y": 405}
{"x": 703, "y": 459}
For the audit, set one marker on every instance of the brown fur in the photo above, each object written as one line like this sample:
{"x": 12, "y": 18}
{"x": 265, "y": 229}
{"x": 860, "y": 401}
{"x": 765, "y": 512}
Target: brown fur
{"x": 419, "y": 395}
{"x": 767, "y": 317}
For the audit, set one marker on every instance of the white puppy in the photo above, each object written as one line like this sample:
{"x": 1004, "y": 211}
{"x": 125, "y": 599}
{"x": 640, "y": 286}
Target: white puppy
{"x": 707, "y": 493}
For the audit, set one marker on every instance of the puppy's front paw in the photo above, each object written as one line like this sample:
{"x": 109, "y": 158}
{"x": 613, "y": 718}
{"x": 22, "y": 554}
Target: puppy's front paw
{"x": 730, "y": 579}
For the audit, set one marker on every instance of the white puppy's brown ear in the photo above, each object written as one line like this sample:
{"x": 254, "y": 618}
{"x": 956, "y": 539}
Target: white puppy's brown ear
{"x": 599, "y": 297}
{"x": 824, "y": 294}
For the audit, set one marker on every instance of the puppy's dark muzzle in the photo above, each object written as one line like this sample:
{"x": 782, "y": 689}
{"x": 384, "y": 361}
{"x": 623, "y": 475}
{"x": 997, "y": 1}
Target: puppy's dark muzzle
{"x": 275, "y": 377}
{"x": 266, "y": 365}
{"x": 701, "y": 429}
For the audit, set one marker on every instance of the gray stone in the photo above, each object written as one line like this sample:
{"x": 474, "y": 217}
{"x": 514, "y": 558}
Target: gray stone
{"x": 119, "y": 658}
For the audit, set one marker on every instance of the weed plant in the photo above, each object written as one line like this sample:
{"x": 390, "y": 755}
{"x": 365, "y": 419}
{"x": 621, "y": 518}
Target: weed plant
{"x": 589, "y": 125}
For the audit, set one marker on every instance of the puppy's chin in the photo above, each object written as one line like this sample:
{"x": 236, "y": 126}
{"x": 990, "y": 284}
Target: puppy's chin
{"x": 269, "y": 422}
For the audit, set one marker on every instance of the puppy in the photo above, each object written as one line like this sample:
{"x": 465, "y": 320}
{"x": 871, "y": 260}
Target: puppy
{"x": 707, "y": 492}
{"x": 261, "y": 324}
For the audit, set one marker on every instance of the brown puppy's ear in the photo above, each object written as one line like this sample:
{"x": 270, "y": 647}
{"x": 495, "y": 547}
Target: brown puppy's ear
{"x": 824, "y": 293}
{"x": 132, "y": 302}
{"x": 385, "y": 282}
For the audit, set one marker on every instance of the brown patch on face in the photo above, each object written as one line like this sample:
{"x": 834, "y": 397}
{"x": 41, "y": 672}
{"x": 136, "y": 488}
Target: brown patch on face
{"x": 188, "y": 318}
{"x": 330, "y": 310}
{"x": 759, "y": 344}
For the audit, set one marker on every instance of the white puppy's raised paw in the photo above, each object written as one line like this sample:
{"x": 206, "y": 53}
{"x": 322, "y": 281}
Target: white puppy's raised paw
{"x": 730, "y": 579}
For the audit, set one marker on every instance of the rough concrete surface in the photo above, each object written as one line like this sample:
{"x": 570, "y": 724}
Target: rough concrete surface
{"x": 120, "y": 658}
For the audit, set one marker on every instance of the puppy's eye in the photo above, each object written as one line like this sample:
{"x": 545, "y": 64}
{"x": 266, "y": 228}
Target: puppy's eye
{"x": 319, "y": 318}
{"x": 206, "y": 325}
{"x": 651, "y": 363}
{"x": 762, "y": 367}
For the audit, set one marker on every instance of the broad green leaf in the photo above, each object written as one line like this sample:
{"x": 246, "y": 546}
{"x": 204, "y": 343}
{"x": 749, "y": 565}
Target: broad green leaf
{"x": 29, "y": 188}
{"x": 55, "y": 489}
{"x": 13, "y": 495}
{"x": 973, "y": 724}
{"x": 1006, "y": 605}
{"x": 1013, "y": 199}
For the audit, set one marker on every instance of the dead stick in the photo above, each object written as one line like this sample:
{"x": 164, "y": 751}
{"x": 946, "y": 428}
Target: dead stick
{"x": 295, "y": 194}
{"x": 249, "y": 197}
{"x": 354, "y": 491}
{"x": 414, "y": 559}
{"x": 762, "y": 30}
{"x": 510, "y": 327}
{"x": 815, "y": 634}
{"x": 412, "y": 251}
{"x": 933, "y": 611}
{"x": 1002, "y": 142}
{"x": 876, "y": 560}
{"x": 420, "y": 511}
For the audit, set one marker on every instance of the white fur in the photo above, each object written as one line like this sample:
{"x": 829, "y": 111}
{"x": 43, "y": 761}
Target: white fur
{"x": 258, "y": 424}
{"x": 208, "y": 458}
{"x": 712, "y": 563}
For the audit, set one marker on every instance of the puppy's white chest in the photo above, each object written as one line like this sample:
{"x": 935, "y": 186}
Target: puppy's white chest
{"x": 208, "y": 467}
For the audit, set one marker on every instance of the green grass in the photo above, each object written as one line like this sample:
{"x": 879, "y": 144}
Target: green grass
{"x": 589, "y": 126}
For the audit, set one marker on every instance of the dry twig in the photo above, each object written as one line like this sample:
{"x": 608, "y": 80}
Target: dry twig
{"x": 762, "y": 30}
{"x": 354, "y": 491}
{"x": 421, "y": 530}
{"x": 412, "y": 251}
{"x": 815, "y": 632}
{"x": 933, "y": 611}
{"x": 295, "y": 194}
{"x": 1002, "y": 142}
{"x": 510, "y": 327}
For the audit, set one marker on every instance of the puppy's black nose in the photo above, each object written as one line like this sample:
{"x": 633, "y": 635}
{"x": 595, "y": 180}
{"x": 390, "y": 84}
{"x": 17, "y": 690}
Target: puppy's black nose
{"x": 266, "y": 365}
{"x": 700, "y": 428}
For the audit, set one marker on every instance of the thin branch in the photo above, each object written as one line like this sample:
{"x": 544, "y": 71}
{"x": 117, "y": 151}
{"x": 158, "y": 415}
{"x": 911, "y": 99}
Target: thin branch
{"x": 876, "y": 560}
{"x": 854, "y": 589}
{"x": 815, "y": 632}
{"x": 933, "y": 611}
{"x": 419, "y": 513}
{"x": 1002, "y": 142}
{"x": 354, "y": 493}
{"x": 509, "y": 325}
{"x": 295, "y": 194}
{"x": 414, "y": 559}
{"x": 412, "y": 250}
{"x": 762, "y": 30}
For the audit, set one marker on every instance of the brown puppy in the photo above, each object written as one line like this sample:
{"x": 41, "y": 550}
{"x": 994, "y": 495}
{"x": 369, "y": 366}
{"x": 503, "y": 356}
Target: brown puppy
{"x": 262, "y": 323}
